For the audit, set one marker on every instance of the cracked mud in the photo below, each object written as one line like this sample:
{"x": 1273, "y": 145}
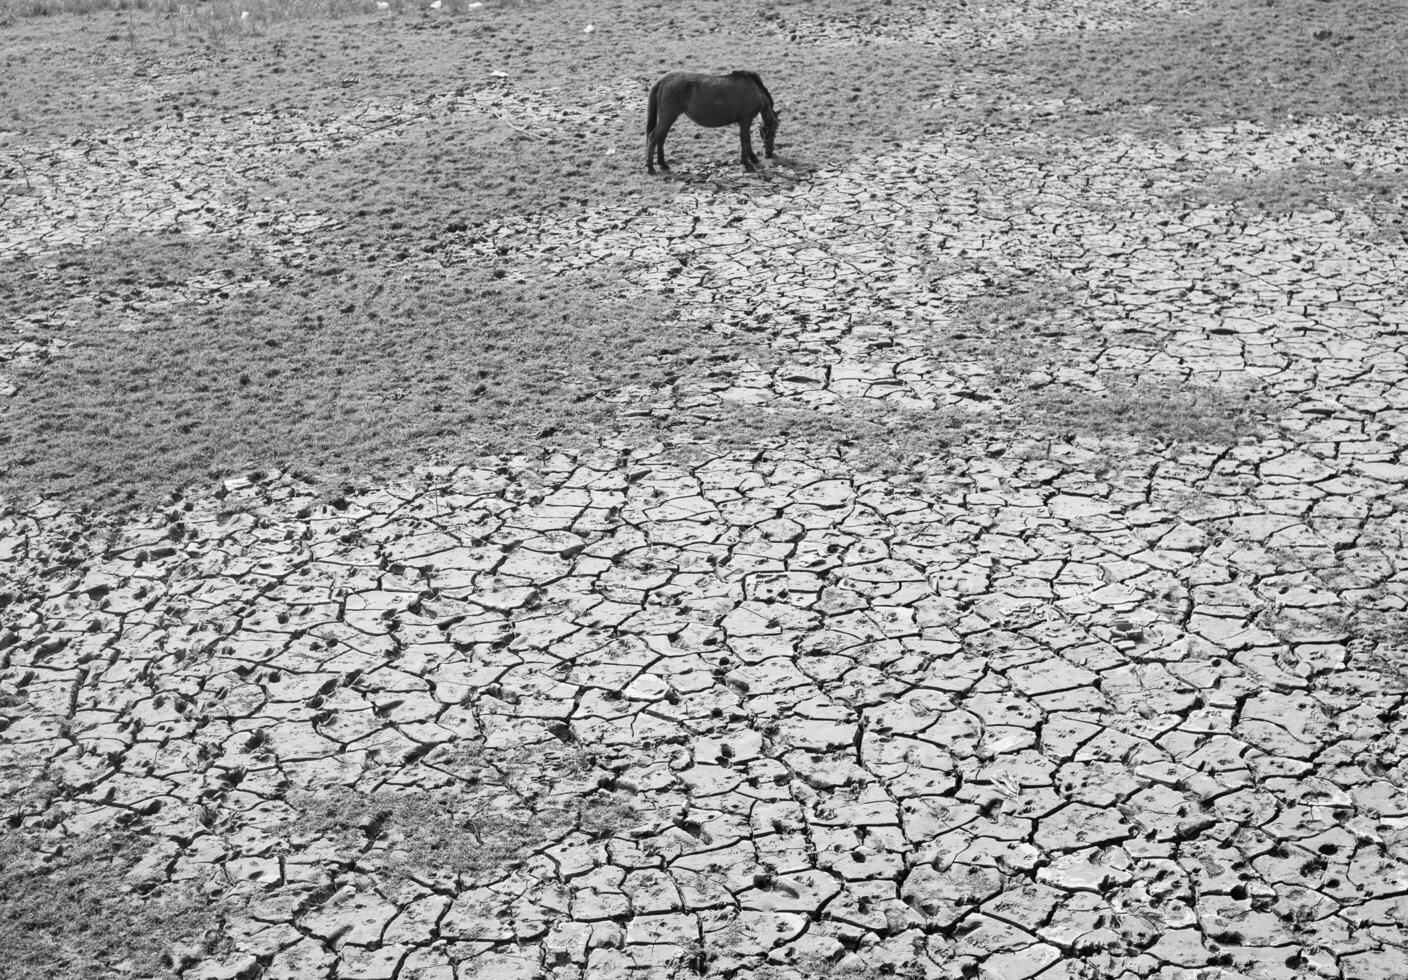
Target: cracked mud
{"x": 1035, "y": 706}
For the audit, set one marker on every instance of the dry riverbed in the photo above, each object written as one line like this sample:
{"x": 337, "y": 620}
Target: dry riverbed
{"x": 975, "y": 551}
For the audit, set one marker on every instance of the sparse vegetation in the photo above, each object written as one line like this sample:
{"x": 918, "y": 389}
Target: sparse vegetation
{"x": 1301, "y": 187}
{"x": 335, "y": 370}
{"x": 419, "y": 321}
{"x": 479, "y": 829}
{"x": 821, "y": 967}
{"x": 1039, "y": 304}
{"x": 1025, "y": 331}
{"x": 1307, "y": 187}
{"x": 433, "y": 833}
{"x": 1382, "y": 645}
{"x": 69, "y": 909}
{"x": 1157, "y": 410}
{"x": 332, "y": 366}
{"x": 230, "y": 15}
{"x": 1016, "y": 327}
{"x": 869, "y": 433}
{"x": 1269, "y": 61}
{"x": 1256, "y": 60}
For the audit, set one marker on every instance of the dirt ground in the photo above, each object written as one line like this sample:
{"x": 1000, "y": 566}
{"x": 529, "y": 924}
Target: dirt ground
{"x": 972, "y": 546}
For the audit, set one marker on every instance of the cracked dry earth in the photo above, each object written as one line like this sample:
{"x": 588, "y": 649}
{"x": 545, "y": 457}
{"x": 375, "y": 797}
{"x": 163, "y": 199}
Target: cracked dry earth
{"x": 1035, "y": 706}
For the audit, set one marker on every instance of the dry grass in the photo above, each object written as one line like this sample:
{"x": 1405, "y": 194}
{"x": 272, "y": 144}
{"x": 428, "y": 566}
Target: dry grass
{"x": 1025, "y": 331}
{"x": 1018, "y": 326}
{"x": 429, "y": 178}
{"x": 69, "y": 910}
{"x": 443, "y": 833}
{"x": 1304, "y": 187}
{"x": 877, "y": 437}
{"x": 465, "y": 362}
{"x": 332, "y": 371}
{"x": 505, "y": 807}
{"x": 231, "y": 15}
{"x": 816, "y": 966}
{"x": 1380, "y": 644}
{"x": 1240, "y": 60}
{"x": 1263, "y": 60}
{"x": 868, "y": 433}
{"x": 1160, "y": 411}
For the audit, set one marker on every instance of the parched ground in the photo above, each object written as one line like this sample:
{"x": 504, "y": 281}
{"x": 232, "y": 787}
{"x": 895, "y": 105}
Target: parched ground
{"x": 972, "y": 547}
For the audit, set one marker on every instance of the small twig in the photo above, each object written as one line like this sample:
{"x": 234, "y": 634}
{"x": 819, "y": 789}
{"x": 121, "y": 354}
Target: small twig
{"x": 24, "y": 172}
{"x": 525, "y": 132}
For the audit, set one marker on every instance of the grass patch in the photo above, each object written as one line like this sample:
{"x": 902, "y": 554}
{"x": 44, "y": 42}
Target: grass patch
{"x": 1260, "y": 60}
{"x": 328, "y": 61}
{"x": 431, "y": 177}
{"x": 1036, "y": 303}
{"x": 69, "y": 909}
{"x": 1305, "y": 187}
{"x": 1025, "y": 331}
{"x": 1252, "y": 59}
{"x": 449, "y": 833}
{"x": 1160, "y": 410}
{"x": 336, "y": 371}
{"x": 481, "y": 829}
{"x": 94, "y": 283}
{"x": 346, "y": 367}
{"x": 816, "y": 966}
{"x": 880, "y": 438}
{"x": 866, "y": 432}
{"x": 1016, "y": 327}
{"x": 332, "y": 372}
{"x": 1381, "y": 645}
{"x": 227, "y": 14}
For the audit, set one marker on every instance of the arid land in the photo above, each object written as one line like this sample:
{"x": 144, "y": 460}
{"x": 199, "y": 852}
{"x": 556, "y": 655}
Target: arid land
{"x": 432, "y": 548}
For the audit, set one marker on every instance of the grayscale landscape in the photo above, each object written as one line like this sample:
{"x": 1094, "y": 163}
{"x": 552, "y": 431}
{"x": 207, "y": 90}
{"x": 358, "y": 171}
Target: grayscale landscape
{"x": 970, "y": 546}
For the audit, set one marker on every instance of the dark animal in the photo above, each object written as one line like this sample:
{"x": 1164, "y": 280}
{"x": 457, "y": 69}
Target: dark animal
{"x": 710, "y": 100}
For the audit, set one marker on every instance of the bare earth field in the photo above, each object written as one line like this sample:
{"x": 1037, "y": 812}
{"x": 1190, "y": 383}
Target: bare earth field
{"x": 973, "y": 546}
